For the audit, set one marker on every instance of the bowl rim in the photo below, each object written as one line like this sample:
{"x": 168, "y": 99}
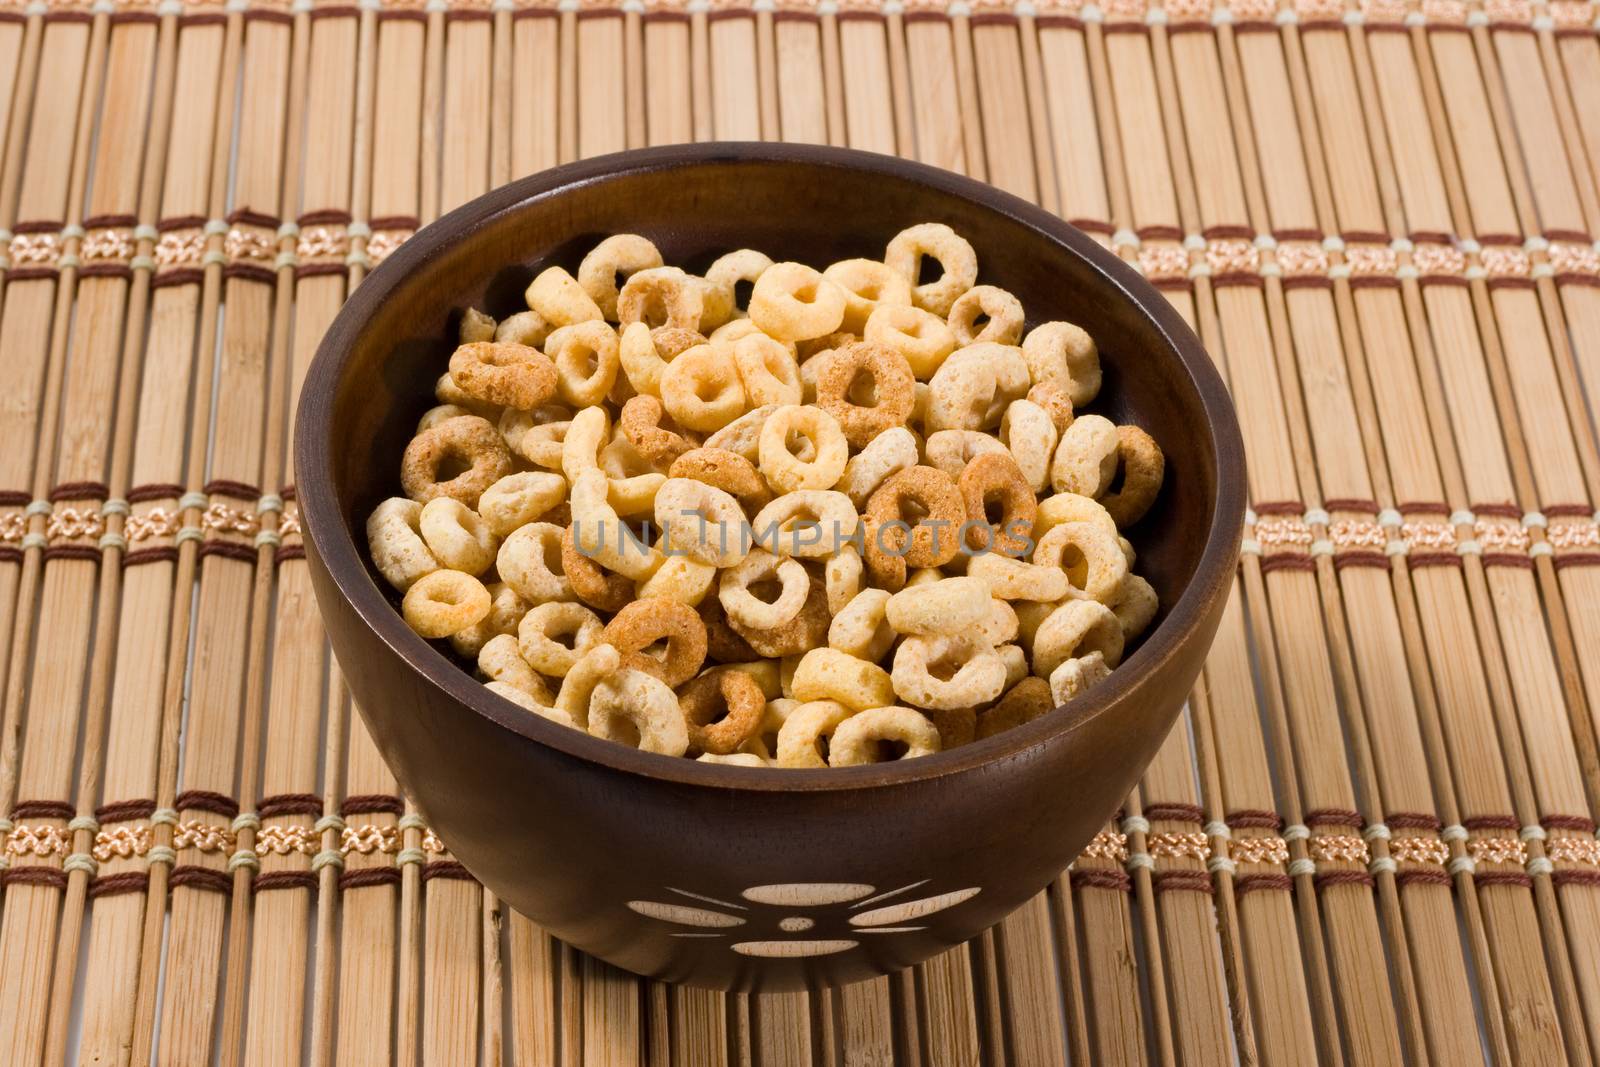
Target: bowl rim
{"x": 335, "y": 544}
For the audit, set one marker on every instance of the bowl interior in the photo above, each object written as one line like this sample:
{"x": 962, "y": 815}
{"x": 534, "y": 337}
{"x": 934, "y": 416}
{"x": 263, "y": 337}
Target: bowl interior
{"x": 399, "y": 328}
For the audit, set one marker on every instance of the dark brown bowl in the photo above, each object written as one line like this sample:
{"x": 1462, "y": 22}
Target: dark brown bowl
{"x": 622, "y": 853}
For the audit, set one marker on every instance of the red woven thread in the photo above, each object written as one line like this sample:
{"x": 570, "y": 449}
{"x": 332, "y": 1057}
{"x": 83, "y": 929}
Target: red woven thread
{"x": 125, "y": 810}
{"x": 204, "y": 800}
{"x": 366, "y": 876}
{"x": 1421, "y": 876}
{"x": 1183, "y": 882}
{"x": 1581, "y": 823}
{"x": 265, "y": 883}
{"x": 1179, "y": 812}
{"x": 43, "y": 809}
{"x": 289, "y": 804}
{"x": 1334, "y": 817}
{"x": 53, "y": 877}
{"x": 1516, "y": 878}
{"x": 1409, "y": 820}
{"x": 1343, "y": 878}
{"x": 447, "y": 869}
{"x": 1094, "y": 878}
{"x": 1492, "y": 822}
{"x": 79, "y": 491}
{"x": 1254, "y": 819}
{"x": 1575, "y": 877}
{"x": 1250, "y": 883}
{"x": 206, "y": 878}
{"x": 112, "y": 885}
{"x": 372, "y": 804}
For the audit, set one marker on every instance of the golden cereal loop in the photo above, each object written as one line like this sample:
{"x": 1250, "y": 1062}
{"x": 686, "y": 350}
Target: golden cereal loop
{"x": 922, "y": 338}
{"x": 792, "y": 302}
{"x": 636, "y": 629}
{"x": 662, "y": 296}
{"x": 1000, "y": 312}
{"x": 951, "y": 450}
{"x": 736, "y": 759}
{"x": 870, "y": 737}
{"x": 1056, "y": 403}
{"x": 960, "y": 395}
{"x": 1022, "y": 703}
{"x": 945, "y": 606}
{"x": 1093, "y": 562}
{"x": 783, "y": 469}
{"x": 518, "y": 499}
{"x": 999, "y": 624}
{"x": 701, "y": 521}
{"x": 680, "y": 578}
{"x": 500, "y": 660}
{"x": 552, "y": 636}
{"x": 723, "y": 709}
{"x": 506, "y": 375}
{"x": 586, "y": 362}
{"x": 991, "y": 482}
{"x": 728, "y": 471}
{"x": 884, "y": 456}
{"x": 806, "y": 729}
{"x": 1143, "y": 467}
{"x": 438, "y": 413}
{"x": 599, "y": 533}
{"x": 805, "y": 631}
{"x": 446, "y": 391}
{"x": 702, "y": 390}
{"x": 1029, "y": 433}
{"x": 528, "y": 703}
{"x": 842, "y": 577}
{"x": 394, "y": 537}
{"x": 808, "y": 523}
{"x": 1086, "y": 459}
{"x": 829, "y": 674}
{"x": 867, "y": 285}
{"x": 639, "y": 710}
{"x": 537, "y": 436}
{"x": 1075, "y": 675}
{"x": 506, "y": 608}
{"x": 457, "y": 536}
{"x": 946, "y": 672}
{"x": 743, "y": 265}
{"x": 860, "y": 628}
{"x": 957, "y": 261}
{"x": 529, "y": 562}
{"x": 767, "y": 370}
{"x": 593, "y": 667}
{"x": 1135, "y": 605}
{"x": 559, "y": 299}
{"x": 642, "y": 362}
{"x": 439, "y": 604}
{"x": 468, "y": 441}
{"x": 524, "y": 328}
{"x": 622, "y": 253}
{"x": 737, "y": 583}
{"x": 1064, "y": 354}
{"x": 1074, "y": 630}
{"x": 641, "y": 423}
{"x": 867, "y": 387}
{"x": 916, "y": 517}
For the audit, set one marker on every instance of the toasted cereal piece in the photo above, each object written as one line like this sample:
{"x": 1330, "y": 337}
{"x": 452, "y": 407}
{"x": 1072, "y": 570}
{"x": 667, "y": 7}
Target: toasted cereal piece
{"x": 394, "y": 536}
{"x": 916, "y": 515}
{"x": 725, "y": 470}
{"x": 518, "y": 499}
{"x": 537, "y": 436}
{"x": 438, "y": 413}
{"x": 742, "y": 436}
{"x": 1030, "y": 435}
{"x": 957, "y": 260}
{"x": 641, "y": 360}
{"x": 767, "y": 369}
{"x": 500, "y": 660}
{"x": 467, "y": 442}
{"x": 523, "y": 328}
{"x": 868, "y": 284}
{"x": 529, "y": 703}
{"x": 506, "y": 609}
{"x": 991, "y": 480}
{"x": 702, "y": 390}
{"x": 803, "y": 632}
{"x": 998, "y": 310}
{"x": 457, "y": 536}
{"x": 735, "y": 759}
{"x": 792, "y": 302}
{"x": 760, "y": 567}
{"x": 842, "y": 576}
{"x": 1071, "y": 507}
{"x": 514, "y": 376}
{"x": 952, "y": 671}
{"x": 446, "y": 391}
{"x": 956, "y": 726}
{"x": 1135, "y": 605}
{"x": 807, "y": 730}
{"x": 871, "y": 735}
{"x": 594, "y": 585}
{"x": 783, "y": 469}
{"x": 960, "y": 395}
{"x": 885, "y": 455}
{"x": 940, "y": 606}
{"x": 552, "y": 636}
{"x": 1143, "y": 467}
{"x": 808, "y": 523}
{"x": 586, "y": 362}
{"x": 723, "y": 643}
{"x": 1012, "y": 579}
{"x": 1016, "y": 663}
{"x": 1086, "y": 459}
{"x": 1073, "y": 676}
{"x": 1063, "y": 353}
{"x": 1024, "y": 702}
{"x": 1050, "y": 396}
{"x": 622, "y": 254}
{"x": 951, "y": 450}
{"x": 530, "y": 562}
{"x": 765, "y": 674}
{"x": 641, "y": 422}
{"x": 1093, "y": 563}
{"x": 593, "y": 667}
{"x": 829, "y": 674}
{"x": 743, "y": 265}
{"x": 680, "y": 578}
{"x": 860, "y": 627}
{"x": 1073, "y": 630}
{"x": 867, "y": 387}
{"x": 598, "y": 531}
{"x": 559, "y": 299}
{"x": 444, "y": 602}
{"x": 639, "y": 710}
{"x": 635, "y": 630}
{"x": 475, "y": 326}
{"x": 723, "y": 709}
{"x": 925, "y": 340}
{"x": 702, "y": 522}
{"x": 662, "y": 296}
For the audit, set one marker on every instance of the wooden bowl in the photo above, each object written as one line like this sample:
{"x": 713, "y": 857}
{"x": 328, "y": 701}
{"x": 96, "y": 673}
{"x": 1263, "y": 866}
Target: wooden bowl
{"x": 730, "y": 877}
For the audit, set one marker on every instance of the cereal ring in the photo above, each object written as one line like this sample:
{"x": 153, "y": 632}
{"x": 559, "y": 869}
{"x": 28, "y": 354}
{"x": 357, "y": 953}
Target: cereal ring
{"x": 518, "y": 499}
{"x": 1143, "y": 466}
{"x": 1073, "y": 676}
{"x": 993, "y": 482}
{"x": 639, "y": 625}
{"x": 1024, "y": 702}
{"x": 475, "y": 326}
{"x": 960, "y": 395}
{"x": 1075, "y": 629}
{"x": 1063, "y": 353}
{"x": 792, "y": 302}
{"x": 595, "y": 586}
{"x": 806, "y": 351}
{"x": 767, "y": 369}
{"x": 641, "y": 423}
{"x": 540, "y": 443}
{"x": 743, "y": 435}
{"x": 394, "y": 536}
{"x": 552, "y": 636}
{"x": 530, "y": 562}
{"x": 500, "y": 660}
{"x": 956, "y": 726}
{"x": 764, "y": 672}
{"x": 841, "y": 577}
{"x": 635, "y": 708}
{"x": 738, "y": 586}
{"x": 465, "y": 442}
{"x": 641, "y": 359}
{"x": 916, "y": 515}
{"x": 582, "y": 451}
{"x": 773, "y": 716}
{"x": 867, "y": 387}
{"x": 922, "y": 338}
{"x": 457, "y": 536}
{"x": 599, "y": 532}
{"x": 1086, "y": 459}
{"x": 1093, "y": 563}
{"x": 523, "y": 328}
{"x": 586, "y": 362}
{"x": 632, "y": 483}
{"x": 728, "y": 471}
{"x": 1000, "y": 625}
{"x": 1055, "y": 401}
{"x": 809, "y": 523}
{"x": 717, "y": 304}
{"x": 446, "y": 391}
{"x": 592, "y": 668}
{"x": 723, "y": 643}
{"x": 868, "y": 285}
{"x": 803, "y": 740}
{"x": 444, "y": 602}
{"x": 951, "y": 450}
{"x": 702, "y": 390}
{"x": 735, "y": 759}
{"x": 1135, "y": 605}
{"x": 680, "y": 578}
{"x": 800, "y": 634}
{"x": 672, "y": 341}
{"x": 882, "y": 735}
{"x": 947, "y": 672}
{"x": 1070, "y": 507}
{"x": 529, "y": 703}
{"x": 559, "y": 299}
{"x": 957, "y": 261}
{"x": 828, "y": 674}
{"x": 623, "y": 254}
{"x": 945, "y": 606}
{"x": 885, "y": 455}
{"x": 723, "y": 709}
{"x": 998, "y": 310}
{"x": 861, "y": 628}
{"x": 745, "y": 265}
{"x": 662, "y": 296}
{"x": 435, "y": 415}
{"x": 1030, "y": 435}
{"x": 506, "y": 609}
{"x": 784, "y": 470}
{"x": 701, "y": 522}
{"x": 1016, "y": 663}
{"x": 1012, "y": 579}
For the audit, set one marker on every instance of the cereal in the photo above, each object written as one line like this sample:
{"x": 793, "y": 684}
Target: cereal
{"x": 807, "y": 523}
{"x": 924, "y": 339}
{"x": 641, "y": 423}
{"x": 622, "y": 253}
{"x": 540, "y": 443}
{"x": 1063, "y": 353}
{"x": 725, "y": 470}
{"x": 744, "y": 265}
{"x": 1000, "y": 625}
{"x": 841, "y": 577}
{"x": 952, "y": 450}
{"x": 552, "y": 636}
{"x": 1070, "y": 507}
{"x": 702, "y": 390}
{"x": 947, "y": 671}
{"x": 868, "y": 285}
{"x": 872, "y": 737}
{"x": 1055, "y": 401}
{"x": 701, "y": 521}
{"x": 638, "y": 710}
{"x": 867, "y": 387}
{"x": 530, "y": 562}
{"x": 529, "y": 703}
{"x": 998, "y": 310}
{"x": 792, "y": 302}
{"x": 1073, "y": 676}
{"x": 957, "y": 260}
{"x": 767, "y": 369}
{"x": 743, "y": 435}
{"x": 435, "y": 415}
{"x": 586, "y": 359}
{"x": 1092, "y": 561}
{"x": 916, "y": 516}
{"x": 1024, "y": 702}
{"x": 599, "y": 588}
{"x": 800, "y": 634}
{"x": 943, "y": 606}
{"x": 475, "y": 326}
{"x": 993, "y": 481}
{"x": 1135, "y": 605}
{"x": 735, "y": 759}
{"x": 638, "y": 626}
{"x": 394, "y": 537}
{"x": 444, "y": 602}
{"x": 885, "y": 455}
{"x": 501, "y": 660}
{"x": 739, "y": 583}
{"x": 506, "y": 609}
{"x": 723, "y": 643}
{"x": 1143, "y": 466}
{"x": 680, "y": 578}
{"x": 861, "y": 627}
{"x": 1013, "y": 579}
{"x": 466, "y": 441}
{"x": 559, "y": 299}
{"x": 457, "y": 536}
{"x": 960, "y": 394}
{"x": 1075, "y": 629}
{"x": 783, "y": 468}
{"x": 509, "y": 375}
{"x": 523, "y": 328}
{"x": 591, "y": 668}
{"x": 446, "y": 391}
{"x": 807, "y": 730}
{"x": 1086, "y": 459}
{"x": 598, "y": 531}
{"x": 661, "y": 296}
{"x": 723, "y": 709}
{"x": 1030, "y": 435}
{"x": 518, "y": 499}
{"x": 640, "y": 359}
{"x": 829, "y": 674}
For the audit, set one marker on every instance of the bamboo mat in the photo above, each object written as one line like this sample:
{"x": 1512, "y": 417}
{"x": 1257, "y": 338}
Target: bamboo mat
{"x": 1370, "y": 841}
